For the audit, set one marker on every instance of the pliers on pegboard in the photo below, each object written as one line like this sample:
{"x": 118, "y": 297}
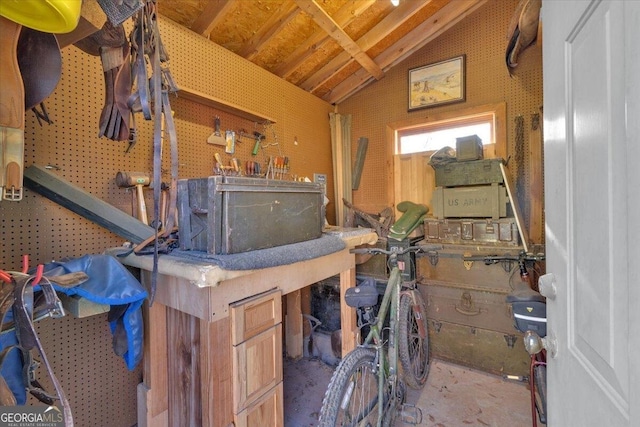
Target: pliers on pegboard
{"x": 6, "y": 277}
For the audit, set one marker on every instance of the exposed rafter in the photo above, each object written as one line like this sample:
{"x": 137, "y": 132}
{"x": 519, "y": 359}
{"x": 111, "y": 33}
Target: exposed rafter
{"x": 283, "y": 15}
{"x": 336, "y": 32}
{"x": 343, "y": 17}
{"x": 393, "y": 21}
{"x": 331, "y": 48}
{"x": 444, "y": 19}
{"x": 213, "y": 13}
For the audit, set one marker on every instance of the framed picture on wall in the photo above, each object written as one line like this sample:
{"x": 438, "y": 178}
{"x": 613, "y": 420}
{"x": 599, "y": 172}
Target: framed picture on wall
{"x": 437, "y": 84}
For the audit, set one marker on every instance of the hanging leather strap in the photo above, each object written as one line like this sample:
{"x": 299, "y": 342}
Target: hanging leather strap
{"x": 155, "y": 96}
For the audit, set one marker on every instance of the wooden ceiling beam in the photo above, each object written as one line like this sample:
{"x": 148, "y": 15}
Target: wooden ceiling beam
{"x": 284, "y": 14}
{"x": 336, "y": 32}
{"x": 389, "y": 24}
{"x": 214, "y": 12}
{"x": 424, "y": 33}
{"x": 343, "y": 17}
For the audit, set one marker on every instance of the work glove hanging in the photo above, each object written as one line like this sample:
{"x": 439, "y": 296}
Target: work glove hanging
{"x": 111, "y": 44}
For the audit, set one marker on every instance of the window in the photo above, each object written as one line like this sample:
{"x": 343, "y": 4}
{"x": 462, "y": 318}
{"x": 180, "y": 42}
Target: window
{"x": 433, "y": 135}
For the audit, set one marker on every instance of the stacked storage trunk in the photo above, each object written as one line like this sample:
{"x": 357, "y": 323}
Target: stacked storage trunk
{"x": 471, "y": 323}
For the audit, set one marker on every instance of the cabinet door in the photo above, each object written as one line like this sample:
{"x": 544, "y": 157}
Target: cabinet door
{"x": 257, "y": 366}
{"x": 266, "y": 412}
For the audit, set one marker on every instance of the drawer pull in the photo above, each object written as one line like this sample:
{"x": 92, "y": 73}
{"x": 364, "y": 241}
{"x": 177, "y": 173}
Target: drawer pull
{"x": 468, "y": 312}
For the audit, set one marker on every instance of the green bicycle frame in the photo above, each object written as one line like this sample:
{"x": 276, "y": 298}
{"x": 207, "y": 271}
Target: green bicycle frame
{"x": 390, "y": 305}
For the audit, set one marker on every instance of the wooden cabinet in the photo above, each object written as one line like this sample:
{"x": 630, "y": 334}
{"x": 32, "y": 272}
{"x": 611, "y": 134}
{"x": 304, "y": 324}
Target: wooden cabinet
{"x": 268, "y": 411}
{"x": 256, "y": 336}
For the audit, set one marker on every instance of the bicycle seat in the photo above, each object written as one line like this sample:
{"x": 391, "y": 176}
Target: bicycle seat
{"x": 365, "y": 294}
{"x": 529, "y": 310}
{"x": 524, "y": 294}
{"x": 412, "y": 217}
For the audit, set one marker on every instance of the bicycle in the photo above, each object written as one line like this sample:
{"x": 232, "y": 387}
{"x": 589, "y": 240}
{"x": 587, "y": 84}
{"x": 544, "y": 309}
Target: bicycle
{"x": 530, "y": 317}
{"x": 367, "y": 388}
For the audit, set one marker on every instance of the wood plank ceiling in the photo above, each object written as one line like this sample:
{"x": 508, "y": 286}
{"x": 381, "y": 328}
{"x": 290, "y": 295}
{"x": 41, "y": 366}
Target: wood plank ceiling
{"x": 330, "y": 48}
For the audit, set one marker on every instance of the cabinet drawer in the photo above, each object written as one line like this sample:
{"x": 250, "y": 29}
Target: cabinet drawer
{"x": 257, "y": 367}
{"x": 251, "y": 316}
{"x": 268, "y": 411}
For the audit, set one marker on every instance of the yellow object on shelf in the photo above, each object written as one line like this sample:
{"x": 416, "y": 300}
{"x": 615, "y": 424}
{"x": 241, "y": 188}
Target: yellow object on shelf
{"x": 49, "y": 16}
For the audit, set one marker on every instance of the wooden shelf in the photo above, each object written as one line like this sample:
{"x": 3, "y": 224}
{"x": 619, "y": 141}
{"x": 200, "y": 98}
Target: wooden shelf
{"x": 201, "y": 98}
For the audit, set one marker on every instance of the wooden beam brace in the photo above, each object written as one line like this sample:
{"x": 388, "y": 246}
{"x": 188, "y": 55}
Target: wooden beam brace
{"x": 285, "y": 13}
{"x": 343, "y": 17}
{"x": 424, "y": 33}
{"x": 390, "y": 23}
{"x": 214, "y": 12}
{"x": 83, "y": 203}
{"x": 92, "y": 18}
{"x": 337, "y": 33}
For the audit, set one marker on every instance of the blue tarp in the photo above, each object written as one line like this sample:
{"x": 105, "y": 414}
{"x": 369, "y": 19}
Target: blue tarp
{"x": 112, "y": 284}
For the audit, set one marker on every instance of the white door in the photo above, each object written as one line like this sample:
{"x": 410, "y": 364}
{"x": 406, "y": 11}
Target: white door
{"x": 591, "y": 54}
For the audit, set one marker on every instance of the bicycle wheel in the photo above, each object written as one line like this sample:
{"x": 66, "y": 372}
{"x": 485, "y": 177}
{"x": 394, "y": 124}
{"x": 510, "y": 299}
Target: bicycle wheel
{"x": 413, "y": 339}
{"x": 540, "y": 378}
{"x": 352, "y": 395}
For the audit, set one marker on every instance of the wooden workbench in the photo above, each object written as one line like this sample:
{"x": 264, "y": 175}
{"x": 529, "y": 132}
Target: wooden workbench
{"x": 188, "y": 377}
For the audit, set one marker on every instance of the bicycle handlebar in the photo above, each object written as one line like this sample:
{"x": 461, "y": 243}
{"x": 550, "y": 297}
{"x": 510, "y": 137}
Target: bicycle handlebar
{"x": 487, "y": 259}
{"x": 493, "y": 259}
{"x": 395, "y": 250}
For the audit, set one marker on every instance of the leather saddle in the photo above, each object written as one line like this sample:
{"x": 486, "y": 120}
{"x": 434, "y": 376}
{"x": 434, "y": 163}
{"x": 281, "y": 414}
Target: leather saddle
{"x": 32, "y": 66}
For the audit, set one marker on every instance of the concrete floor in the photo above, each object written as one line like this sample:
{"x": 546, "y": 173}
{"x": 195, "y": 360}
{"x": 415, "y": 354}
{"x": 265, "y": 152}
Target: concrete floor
{"x": 454, "y": 396}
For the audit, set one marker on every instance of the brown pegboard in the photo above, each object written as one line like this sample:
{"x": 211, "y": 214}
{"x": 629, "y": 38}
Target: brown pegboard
{"x": 101, "y": 392}
{"x": 482, "y": 37}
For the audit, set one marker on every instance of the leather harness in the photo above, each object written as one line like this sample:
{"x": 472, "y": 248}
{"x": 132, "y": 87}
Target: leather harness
{"x": 153, "y": 94}
{"x": 17, "y": 294}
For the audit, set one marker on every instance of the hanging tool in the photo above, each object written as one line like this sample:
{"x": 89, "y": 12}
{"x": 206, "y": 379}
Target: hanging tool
{"x": 230, "y": 141}
{"x": 139, "y": 180}
{"x": 259, "y": 137}
{"x": 216, "y": 137}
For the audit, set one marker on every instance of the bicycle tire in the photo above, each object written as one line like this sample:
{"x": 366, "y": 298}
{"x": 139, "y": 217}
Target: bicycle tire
{"x": 413, "y": 339}
{"x": 540, "y": 378}
{"x": 352, "y": 394}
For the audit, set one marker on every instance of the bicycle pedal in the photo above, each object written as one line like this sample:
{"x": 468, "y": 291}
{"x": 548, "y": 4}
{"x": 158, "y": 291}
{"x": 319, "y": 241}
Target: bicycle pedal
{"x": 411, "y": 414}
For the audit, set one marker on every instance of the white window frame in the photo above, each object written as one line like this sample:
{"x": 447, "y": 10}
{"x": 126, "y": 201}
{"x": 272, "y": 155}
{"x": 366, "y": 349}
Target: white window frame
{"x": 495, "y": 113}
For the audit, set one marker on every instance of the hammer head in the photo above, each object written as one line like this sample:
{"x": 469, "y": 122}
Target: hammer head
{"x": 130, "y": 179}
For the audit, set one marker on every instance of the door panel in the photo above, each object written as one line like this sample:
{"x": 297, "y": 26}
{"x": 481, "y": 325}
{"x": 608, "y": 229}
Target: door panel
{"x": 414, "y": 179}
{"x": 591, "y": 187}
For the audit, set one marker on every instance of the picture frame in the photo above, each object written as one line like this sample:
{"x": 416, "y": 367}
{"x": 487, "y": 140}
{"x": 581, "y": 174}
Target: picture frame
{"x": 437, "y": 84}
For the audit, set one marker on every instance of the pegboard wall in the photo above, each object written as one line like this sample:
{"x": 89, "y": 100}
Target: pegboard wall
{"x": 482, "y": 37}
{"x": 100, "y": 389}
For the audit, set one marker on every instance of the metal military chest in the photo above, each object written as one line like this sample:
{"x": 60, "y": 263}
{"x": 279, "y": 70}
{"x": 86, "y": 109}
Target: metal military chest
{"x": 491, "y": 232}
{"x": 226, "y": 215}
{"x": 480, "y": 201}
{"x": 476, "y": 172}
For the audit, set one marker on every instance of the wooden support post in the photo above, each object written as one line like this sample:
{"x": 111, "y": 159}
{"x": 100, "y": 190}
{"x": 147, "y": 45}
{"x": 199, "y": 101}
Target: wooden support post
{"x": 153, "y": 401}
{"x": 347, "y": 314}
{"x": 216, "y": 373}
{"x": 293, "y": 325}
